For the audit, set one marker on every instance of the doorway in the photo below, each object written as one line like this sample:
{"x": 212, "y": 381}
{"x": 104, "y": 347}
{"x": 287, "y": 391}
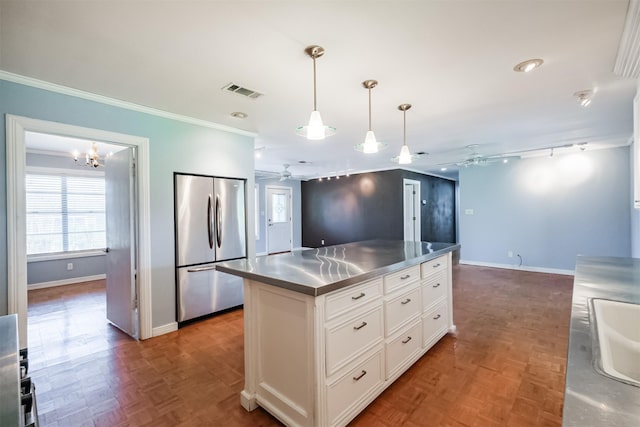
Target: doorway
{"x": 17, "y": 128}
{"x": 411, "y": 211}
{"x": 279, "y": 225}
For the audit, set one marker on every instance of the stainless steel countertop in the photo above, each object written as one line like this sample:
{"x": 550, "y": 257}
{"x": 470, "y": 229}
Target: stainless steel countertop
{"x": 591, "y": 399}
{"x": 9, "y": 372}
{"x": 322, "y": 270}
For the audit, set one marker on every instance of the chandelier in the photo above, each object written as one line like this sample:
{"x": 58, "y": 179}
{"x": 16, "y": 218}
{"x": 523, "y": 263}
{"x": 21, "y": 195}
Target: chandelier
{"x": 91, "y": 157}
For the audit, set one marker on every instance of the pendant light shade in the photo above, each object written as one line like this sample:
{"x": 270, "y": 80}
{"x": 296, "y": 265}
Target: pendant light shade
{"x": 315, "y": 130}
{"x": 371, "y": 144}
{"x": 405, "y": 155}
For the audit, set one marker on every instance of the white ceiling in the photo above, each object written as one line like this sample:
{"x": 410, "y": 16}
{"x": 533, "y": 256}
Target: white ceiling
{"x": 452, "y": 60}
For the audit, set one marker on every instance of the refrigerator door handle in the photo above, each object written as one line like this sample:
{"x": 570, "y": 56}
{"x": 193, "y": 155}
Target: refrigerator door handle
{"x": 209, "y": 227}
{"x": 218, "y": 222}
{"x": 197, "y": 269}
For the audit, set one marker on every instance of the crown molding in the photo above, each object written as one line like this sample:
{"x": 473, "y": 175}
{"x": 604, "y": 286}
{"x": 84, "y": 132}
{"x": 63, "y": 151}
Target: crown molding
{"x": 628, "y": 58}
{"x": 64, "y": 90}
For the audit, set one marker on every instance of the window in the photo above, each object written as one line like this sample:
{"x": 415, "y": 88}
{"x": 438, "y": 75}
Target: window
{"x": 65, "y": 212}
{"x": 279, "y": 208}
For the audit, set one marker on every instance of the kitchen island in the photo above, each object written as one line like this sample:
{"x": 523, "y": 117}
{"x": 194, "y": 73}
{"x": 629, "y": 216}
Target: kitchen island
{"x": 328, "y": 329}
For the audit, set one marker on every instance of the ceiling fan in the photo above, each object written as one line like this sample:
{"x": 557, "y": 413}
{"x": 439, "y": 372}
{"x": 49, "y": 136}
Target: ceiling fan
{"x": 474, "y": 158}
{"x": 285, "y": 174}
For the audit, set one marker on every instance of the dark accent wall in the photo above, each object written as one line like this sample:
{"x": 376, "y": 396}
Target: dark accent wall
{"x": 369, "y": 206}
{"x": 438, "y": 216}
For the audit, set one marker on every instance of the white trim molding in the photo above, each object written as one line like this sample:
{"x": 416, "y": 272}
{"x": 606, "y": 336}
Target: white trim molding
{"x": 628, "y": 59}
{"x": 165, "y": 329}
{"x": 64, "y": 282}
{"x": 521, "y": 268}
{"x": 64, "y": 90}
{"x": 16, "y": 127}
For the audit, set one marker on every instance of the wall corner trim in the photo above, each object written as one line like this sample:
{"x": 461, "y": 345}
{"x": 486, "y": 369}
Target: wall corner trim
{"x": 521, "y": 268}
{"x": 64, "y": 90}
{"x": 164, "y": 329}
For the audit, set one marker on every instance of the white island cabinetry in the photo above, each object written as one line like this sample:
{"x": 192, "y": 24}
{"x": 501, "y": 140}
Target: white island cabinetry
{"x": 320, "y": 360}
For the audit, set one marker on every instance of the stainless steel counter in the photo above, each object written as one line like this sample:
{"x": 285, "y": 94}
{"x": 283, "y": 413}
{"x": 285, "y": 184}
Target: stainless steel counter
{"x": 10, "y": 414}
{"x": 319, "y": 271}
{"x": 592, "y": 399}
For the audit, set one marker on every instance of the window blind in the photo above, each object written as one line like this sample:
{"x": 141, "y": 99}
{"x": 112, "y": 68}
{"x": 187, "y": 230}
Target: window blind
{"x": 64, "y": 213}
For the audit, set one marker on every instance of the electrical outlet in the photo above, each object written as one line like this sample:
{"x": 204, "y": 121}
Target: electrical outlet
{"x": 322, "y": 242}
{"x": 510, "y": 254}
{"x": 70, "y": 266}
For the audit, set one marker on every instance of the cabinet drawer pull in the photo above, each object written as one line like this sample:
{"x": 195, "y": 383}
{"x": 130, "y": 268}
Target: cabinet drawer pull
{"x": 406, "y": 341}
{"x": 436, "y": 285}
{"x": 359, "y": 296}
{"x": 407, "y": 301}
{"x": 405, "y": 277}
{"x": 436, "y": 265}
{"x": 357, "y": 328}
{"x": 437, "y": 317}
{"x": 360, "y": 376}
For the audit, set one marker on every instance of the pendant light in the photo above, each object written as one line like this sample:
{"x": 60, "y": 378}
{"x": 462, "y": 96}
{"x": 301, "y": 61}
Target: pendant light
{"x": 405, "y": 155}
{"x": 315, "y": 130}
{"x": 370, "y": 144}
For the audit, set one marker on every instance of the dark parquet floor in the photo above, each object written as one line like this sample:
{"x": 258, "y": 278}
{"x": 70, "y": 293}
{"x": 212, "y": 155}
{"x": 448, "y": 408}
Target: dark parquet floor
{"x": 505, "y": 366}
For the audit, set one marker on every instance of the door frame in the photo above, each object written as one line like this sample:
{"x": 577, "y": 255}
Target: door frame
{"x": 416, "y": 200}
{"x": 16, "y": 126}
{"x": 266, "y": 217}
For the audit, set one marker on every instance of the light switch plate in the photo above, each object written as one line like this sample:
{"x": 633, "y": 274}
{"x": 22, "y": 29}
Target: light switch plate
{"x": 468, "y": 211}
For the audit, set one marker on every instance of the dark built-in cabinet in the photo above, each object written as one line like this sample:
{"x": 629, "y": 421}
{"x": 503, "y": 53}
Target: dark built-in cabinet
{"x": 370, "y": 206}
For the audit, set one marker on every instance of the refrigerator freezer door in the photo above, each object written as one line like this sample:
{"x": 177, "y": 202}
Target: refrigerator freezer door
{"x": 229, "y": 216}
{"x": 203, "y": 290}
{"x": 194, "y": 219}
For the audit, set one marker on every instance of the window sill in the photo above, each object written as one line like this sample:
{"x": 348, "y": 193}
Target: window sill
{"x": 65, "y": 255}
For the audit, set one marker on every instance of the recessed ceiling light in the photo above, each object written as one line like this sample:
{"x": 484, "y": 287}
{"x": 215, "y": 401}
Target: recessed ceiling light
{"x": 443, "y": 169}
{"x": 584, "y": 96}
{"x": 528, "y": 65}
{"x": 239, "y": 115}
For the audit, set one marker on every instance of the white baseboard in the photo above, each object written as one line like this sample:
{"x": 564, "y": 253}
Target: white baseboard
{"x": 164, "y": 329}
{"x": 262, "y": 254}
{"x": 63, "y": 282}
{"x": 521, "y": 267}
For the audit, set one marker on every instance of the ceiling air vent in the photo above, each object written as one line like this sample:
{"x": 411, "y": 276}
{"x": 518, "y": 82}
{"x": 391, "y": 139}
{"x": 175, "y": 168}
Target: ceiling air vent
{"x": 243, "y": 91}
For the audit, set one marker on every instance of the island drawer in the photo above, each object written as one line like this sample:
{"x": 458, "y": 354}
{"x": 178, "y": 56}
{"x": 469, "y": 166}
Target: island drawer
{"x": 401, "y": 278}
{"x": 434, "y": 323}
{"x": 434, "y": 266}
{"x": 434, "y": 288}
{"x": 348, "y": 339}
{"x": 356, "y": 385}
{"x": 401, "y": 309}
{"x": 402, "y": 348}
{"x": 349, "y": 299}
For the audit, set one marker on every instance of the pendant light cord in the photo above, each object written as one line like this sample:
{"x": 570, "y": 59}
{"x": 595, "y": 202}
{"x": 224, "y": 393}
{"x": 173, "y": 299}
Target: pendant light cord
{"x": 369, "y": 108}
{"x": 314, "y": 84}
{"x": 404, "y": 133}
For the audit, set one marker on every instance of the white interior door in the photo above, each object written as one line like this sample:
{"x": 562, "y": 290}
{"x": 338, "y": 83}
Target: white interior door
{"x": 121, "y": 249}
{"x": 278, "y": 219}
{"x": 411, "y": 200}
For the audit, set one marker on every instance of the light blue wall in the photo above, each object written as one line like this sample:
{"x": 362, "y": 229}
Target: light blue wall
{"x": 548, "y": 210}
{"x": 635, "y": 213}
{"x": 296, "y": 208}
{"x": 174, "y": 146}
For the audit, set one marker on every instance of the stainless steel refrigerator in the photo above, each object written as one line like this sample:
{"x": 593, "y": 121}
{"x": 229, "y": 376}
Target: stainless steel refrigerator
{"x": 210, "y": 227}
